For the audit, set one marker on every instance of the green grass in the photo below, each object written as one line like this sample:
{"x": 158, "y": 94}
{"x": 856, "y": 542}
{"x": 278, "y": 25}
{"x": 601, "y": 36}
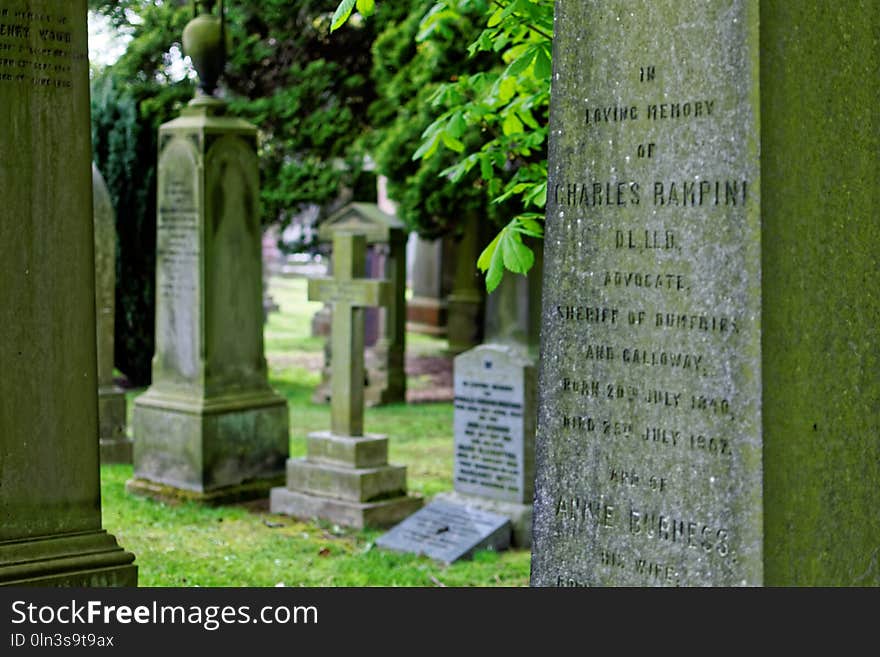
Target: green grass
{"x": 242, "y": 545}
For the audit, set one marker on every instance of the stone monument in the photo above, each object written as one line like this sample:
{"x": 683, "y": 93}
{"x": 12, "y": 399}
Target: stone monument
{"x": 708, "y": 390}
{"x": 115, "y": 444}
{"x": 466, "y": 302}
{"x": 495, "y": 391}
{"x": 345, "y": 477}
{"x": 209, "y": 427}
{"x": 386, "y": 235}
{"x": 50, "y": 497}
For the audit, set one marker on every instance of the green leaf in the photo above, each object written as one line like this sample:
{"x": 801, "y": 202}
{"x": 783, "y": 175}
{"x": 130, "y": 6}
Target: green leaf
{"x": 343, "y": 11}
{"x": 496, "y": 271}
{"x": 366, "y": 7}
{"x": 522, "y": 62}
{"x": 485, "y": 168}
{"x": 518, "y": 258}
{"x": 543, "y": 67}
{"x": 428, "y": 148}
{"x": 485, "y": 260}
{"x": 507, "y": 89}
{"x": 530, "y": 227}
{"x": 512, "y": 125}
{"x": 495, "y": 18}
{"x": 457, "y": 125}
{"x": 451, "y": 142}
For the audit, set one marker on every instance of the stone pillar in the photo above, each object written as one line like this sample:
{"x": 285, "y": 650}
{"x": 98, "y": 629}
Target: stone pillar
{"x": 466, "y": 299}
{"x": 209, "y": 428}
{"x": 116, "y": 446}
{"x": 50, "y": 496}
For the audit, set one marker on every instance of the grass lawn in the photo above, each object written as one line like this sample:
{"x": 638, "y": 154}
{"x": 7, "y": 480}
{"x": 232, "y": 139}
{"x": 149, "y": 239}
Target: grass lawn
{"x": 245, "y": 545}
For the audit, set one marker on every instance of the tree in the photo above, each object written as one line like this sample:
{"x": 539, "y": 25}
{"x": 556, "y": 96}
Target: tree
{"x": 309, "y": 97}
{"x": 509, "y": 103}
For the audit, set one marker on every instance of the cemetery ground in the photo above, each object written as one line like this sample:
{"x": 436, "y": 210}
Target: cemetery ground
{"x": 244, "y": 545}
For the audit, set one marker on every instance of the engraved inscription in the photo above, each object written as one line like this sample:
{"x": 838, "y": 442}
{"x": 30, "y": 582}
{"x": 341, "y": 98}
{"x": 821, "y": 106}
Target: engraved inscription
{"x": 38, "y": 48}
{"x": 650, "y": 414}
{"x": 494, "y": 424}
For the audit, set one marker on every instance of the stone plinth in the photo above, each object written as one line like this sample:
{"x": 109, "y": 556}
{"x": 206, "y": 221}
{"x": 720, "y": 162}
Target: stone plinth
{"x": 347, "y": 481}
{"x": 209, "y": 428}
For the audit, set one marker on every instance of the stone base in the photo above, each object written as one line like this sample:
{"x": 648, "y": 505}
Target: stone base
{"x": 91, "y": 559}
{"x": 346, "y": 480}
{"x": 520, "y": 514}
{"x": 231, "y": 448}
{"x": 253, "y": 490}
{"x": 359, "y": 515}
{"x": 120, "y": 450}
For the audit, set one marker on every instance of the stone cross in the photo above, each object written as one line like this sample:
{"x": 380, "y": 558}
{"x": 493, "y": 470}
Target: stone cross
{"x": 349, "y": 293}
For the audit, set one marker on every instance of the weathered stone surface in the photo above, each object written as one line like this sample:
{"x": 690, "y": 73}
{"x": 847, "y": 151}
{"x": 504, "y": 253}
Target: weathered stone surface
{"x": 209, "y": 423}
{"x": 649, "y": 429}
{"x": 116, "y": 446}
{"x": 358, "y": 452}
{"x": 50, "y": 531}
{"x": 519, "y": 515}
{"x": 346, "y": 483}
{"x": 820, "y": 136}
{"x": 710, "y": 334}
{"x": 358, "y": 515}
{"x": 448, "y": 532}
{"x": 495, "y": 423}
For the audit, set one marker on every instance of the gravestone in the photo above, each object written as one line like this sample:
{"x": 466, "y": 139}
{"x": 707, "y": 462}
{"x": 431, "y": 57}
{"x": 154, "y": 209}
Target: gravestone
{"x": 115, "y": 445}
{"x": 448, "y": 532}
{"x": 495, "y": 393}
{"x": 209, "y": 428}
{"x": 386, "y": 239}
{"x": 345, "y": 477}
{"x": 466, "y": 300}
{"x": 426, "y": 309}
{"x": 708, "y": 391}
{"x": 50, "y": 497}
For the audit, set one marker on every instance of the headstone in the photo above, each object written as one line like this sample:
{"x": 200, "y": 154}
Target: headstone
{"x": 708, "y": 392}
{"x": 466, "y": 300}
{"x": 115, "y": 443}
{"x": 209, "y": 428}
{"x": 50, "y": 497}
{"x": 345, "y": 477}
{"x": 495, "y": 391}
{"x": 426, "y": 310}
{"x": 448, "y": 532}
{"x": 385, "y": 376}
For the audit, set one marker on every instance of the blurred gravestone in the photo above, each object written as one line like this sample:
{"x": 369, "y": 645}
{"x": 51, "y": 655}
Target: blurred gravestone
{"x": 345, "y": 477}
{"x": 115, "y": 445}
